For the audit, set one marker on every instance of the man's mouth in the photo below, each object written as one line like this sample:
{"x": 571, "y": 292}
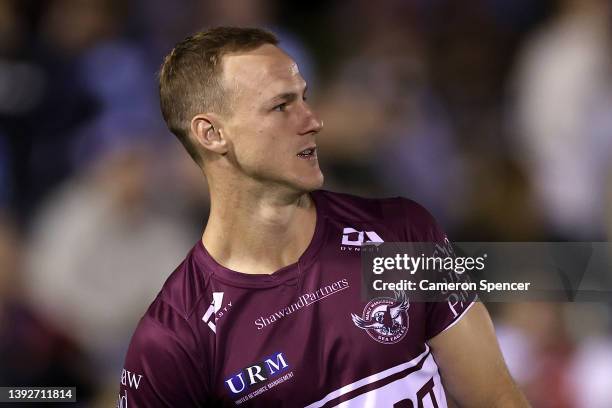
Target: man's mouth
{"x": 309, "y": 153}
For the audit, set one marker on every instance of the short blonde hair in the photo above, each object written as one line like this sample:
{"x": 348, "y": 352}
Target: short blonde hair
{"x": 190, "y": 77}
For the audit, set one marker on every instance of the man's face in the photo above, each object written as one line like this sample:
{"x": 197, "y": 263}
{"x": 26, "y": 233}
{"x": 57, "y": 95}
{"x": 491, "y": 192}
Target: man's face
{"x": 271, "y": 127}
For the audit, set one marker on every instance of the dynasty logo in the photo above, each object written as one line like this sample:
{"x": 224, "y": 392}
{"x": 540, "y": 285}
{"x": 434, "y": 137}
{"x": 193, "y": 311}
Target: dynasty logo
{"x": 215, "y": 311}
{"x": 353, "y": 240}
{"x": 385, "y": 319}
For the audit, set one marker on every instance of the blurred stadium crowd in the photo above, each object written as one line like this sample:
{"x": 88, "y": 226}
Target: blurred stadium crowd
{"x": 494, "y": 114}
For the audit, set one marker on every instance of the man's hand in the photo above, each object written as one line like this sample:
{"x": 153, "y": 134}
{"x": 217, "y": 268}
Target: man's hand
{"x": 473, "y": 370}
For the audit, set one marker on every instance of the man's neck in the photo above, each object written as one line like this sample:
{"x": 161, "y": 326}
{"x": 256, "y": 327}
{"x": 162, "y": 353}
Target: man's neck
{"x": 258, "y": 232}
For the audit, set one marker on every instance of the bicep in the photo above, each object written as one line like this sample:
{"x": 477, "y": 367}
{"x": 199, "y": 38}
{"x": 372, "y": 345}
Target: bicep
{"x": 471, "y": 364}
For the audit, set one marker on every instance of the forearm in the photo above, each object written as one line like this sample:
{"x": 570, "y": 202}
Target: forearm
{"x": 491, "y": 395}
{"x": 471, "y": 365}
{"x": 510, "y": 397}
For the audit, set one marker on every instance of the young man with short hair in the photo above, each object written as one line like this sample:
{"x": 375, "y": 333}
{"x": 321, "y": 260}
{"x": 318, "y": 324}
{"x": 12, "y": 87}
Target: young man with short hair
{"x": 265, "y": 311}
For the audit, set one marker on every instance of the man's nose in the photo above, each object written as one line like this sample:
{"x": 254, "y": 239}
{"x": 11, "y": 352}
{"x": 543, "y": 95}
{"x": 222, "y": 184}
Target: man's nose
{"x": 312, "y": 123}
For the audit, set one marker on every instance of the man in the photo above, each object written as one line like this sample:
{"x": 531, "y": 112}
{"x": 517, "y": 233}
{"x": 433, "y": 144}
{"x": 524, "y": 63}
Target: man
{"x": 266, "y": 311}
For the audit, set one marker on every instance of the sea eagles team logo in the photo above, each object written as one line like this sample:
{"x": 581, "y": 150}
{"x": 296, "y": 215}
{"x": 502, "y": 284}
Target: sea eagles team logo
{"x": 385, "y": 319}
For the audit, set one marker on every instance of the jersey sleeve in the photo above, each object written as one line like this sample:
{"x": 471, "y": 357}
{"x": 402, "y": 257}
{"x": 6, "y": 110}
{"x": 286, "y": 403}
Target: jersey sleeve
{"x": 443, "y": 314}
{"x": 163, "y": 367}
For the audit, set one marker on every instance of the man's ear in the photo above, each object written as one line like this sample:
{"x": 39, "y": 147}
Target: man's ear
{"x": 207, "y": 133}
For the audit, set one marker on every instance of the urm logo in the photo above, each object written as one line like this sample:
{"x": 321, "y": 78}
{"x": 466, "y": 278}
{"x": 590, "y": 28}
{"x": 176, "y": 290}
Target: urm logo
{"x": 257, "y": 373}
{"x": 353, "y": 238}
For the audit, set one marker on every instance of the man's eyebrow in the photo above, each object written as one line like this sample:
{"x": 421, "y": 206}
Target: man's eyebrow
{"x": 285, "y": 96}
{"x": 289, "y": 96}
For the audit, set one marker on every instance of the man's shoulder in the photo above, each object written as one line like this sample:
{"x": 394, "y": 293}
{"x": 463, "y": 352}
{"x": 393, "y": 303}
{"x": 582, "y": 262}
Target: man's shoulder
{"x": 393, "y": 211}
{"x": 183, "y": 290}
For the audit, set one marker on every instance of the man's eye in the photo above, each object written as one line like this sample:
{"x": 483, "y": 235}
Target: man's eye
{"x": 281, "y": 107}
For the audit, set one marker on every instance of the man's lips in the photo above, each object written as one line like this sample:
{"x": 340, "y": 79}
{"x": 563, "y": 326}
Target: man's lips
{"x": 308, "y": 153}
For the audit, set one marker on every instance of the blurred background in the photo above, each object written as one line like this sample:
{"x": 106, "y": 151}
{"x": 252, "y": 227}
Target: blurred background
{"x": 494, "y": 114}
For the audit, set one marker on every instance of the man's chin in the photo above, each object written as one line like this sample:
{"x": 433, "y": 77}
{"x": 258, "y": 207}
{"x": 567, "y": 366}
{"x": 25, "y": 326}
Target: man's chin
{"x": 314, "y": 183}
{"x": 306, "y": 185}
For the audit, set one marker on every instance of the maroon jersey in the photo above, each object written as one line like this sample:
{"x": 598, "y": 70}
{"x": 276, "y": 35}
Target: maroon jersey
{"x": 300, "y": 337}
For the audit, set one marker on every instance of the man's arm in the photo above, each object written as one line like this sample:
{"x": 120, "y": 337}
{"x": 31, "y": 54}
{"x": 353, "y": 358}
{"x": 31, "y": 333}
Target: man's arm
{"x": 162, "y": 369}
{"x": 471, "y": 364}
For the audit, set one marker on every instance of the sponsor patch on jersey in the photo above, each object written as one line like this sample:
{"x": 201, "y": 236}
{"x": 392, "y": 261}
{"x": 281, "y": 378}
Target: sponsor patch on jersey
{"x": 304, "y": 300}
{"x": 385, "y": 319}
{"x": 259, "y": 377}
{"x": 130, "y": 379}
{"x": 122, "y": 401}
